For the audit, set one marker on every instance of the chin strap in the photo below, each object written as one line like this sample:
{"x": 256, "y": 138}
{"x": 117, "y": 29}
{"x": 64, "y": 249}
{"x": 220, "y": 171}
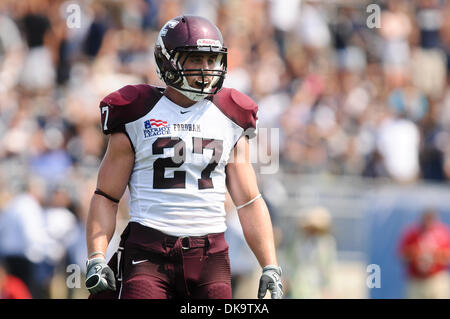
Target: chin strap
{"x": 193, "y": 95}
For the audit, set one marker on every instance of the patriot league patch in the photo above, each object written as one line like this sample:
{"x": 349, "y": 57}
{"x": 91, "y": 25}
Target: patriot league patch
{"x": 155, "y": 127}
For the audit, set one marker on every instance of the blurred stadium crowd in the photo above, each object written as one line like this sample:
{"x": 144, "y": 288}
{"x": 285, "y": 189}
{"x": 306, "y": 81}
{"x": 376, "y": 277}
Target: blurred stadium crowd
{"x": 348, "y": 99}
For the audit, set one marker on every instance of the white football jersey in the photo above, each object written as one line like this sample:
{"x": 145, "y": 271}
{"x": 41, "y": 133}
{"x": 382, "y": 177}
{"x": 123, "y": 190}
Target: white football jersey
{"x": 177, "y": 185}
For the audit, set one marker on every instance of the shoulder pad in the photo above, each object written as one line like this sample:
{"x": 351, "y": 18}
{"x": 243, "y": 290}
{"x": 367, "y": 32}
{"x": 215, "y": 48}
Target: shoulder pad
{"x": 127, "y": 105}
{"x": 238, "y": 107}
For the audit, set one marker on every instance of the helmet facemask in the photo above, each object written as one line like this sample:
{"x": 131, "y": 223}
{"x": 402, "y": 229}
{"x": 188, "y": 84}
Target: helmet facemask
{"x": 177, "y": 76}
{"x": 210, "y": 80}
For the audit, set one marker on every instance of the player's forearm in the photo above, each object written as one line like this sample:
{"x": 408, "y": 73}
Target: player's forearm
{"x": 101, "y": 224}
{"x": 258, "y": 232}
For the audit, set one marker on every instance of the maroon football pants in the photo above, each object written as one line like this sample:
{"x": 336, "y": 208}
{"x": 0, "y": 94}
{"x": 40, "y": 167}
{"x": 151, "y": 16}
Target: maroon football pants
{"x": 150, "y": 264}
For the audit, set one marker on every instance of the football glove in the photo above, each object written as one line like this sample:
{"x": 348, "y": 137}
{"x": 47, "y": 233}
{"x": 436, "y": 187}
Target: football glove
{"x": 99, "y": 277}
{"x": 271, "y": 279}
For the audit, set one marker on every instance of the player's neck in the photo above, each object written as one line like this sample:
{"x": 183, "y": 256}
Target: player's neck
{"x": 178, "y": 98}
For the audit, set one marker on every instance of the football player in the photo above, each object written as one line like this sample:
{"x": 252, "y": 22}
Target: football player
{"x": 177, "y": 151}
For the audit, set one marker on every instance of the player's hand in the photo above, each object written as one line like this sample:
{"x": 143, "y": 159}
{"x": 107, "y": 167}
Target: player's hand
{"x": 99, "y": 277}
{"x": 271, "y": 279}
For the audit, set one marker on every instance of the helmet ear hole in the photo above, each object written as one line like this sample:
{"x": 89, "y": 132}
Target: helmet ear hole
{"x": 171, "y": 77}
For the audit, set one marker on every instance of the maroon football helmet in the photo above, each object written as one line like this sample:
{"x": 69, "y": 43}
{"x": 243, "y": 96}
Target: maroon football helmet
{"x": 181, "y": 37}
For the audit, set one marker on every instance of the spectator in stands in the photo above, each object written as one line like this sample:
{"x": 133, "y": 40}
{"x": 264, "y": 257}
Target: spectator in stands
{"x": 12, "y": 287}
{"x": 313, "y": 253}
{"x": 398, "y": 142}
{"x": 23, "y": 239}
{"x": 425, "y": 251}
{"x": 38, "y": 72}
{"x": 62, "y": 229}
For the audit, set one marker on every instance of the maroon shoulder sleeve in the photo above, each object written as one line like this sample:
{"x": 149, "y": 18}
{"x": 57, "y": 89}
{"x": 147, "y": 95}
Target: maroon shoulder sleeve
{"x": 127, "y": 105}
{"x": 238, "y": 107}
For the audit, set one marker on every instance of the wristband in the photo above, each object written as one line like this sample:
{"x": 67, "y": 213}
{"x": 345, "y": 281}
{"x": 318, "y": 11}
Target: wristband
{"x": 96, "y": 253}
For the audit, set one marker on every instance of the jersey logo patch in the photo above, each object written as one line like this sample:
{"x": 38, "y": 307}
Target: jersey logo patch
{"x": 152, "y": 123}
{"x": 155, "y": 127}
